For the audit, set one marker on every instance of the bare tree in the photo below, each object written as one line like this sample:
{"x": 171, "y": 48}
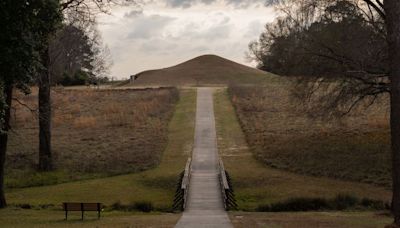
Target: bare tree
{"x": 45, "y": 155}
{"x": 336, "y": 50}
{"x": 360, "y": 82}
{"x": 70, "y": 51}
{"x": 75, "y": 11}
{"x": 79, "y": 50}
{"x": 25, "y": 30}
{"x": 7, "y": 92}
{"x": 392, "y": 12}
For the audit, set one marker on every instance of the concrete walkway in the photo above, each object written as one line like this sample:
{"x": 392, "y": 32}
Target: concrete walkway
{"x": 205, "y": 206}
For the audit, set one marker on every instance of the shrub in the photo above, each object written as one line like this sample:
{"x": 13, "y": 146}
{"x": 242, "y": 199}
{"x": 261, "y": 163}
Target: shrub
{"x": 144, "y": 206}
{"x": 25, "y": 206}
{"x": 45, "y": 206}
{"x": 79, "y": 78}
{"x": 373, "y": 204}
{"x": 263, "y": 208}
{"x": 300, "y": 204}
{"x": 117, "y": 206}
{"x": 340, "y": 202}
{"x": 343, "y": 201}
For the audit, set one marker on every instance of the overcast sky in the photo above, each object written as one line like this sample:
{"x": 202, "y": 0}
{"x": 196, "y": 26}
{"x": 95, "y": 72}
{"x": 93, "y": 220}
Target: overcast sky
{"x": 162, "y": 33}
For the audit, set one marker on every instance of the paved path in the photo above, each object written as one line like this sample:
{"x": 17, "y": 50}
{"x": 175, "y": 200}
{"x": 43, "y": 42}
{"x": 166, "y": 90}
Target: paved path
{"x": 205, "y": 206}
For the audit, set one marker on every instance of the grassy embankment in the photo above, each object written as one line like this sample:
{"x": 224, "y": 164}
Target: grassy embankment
{"x": 257, "y": 184}
{"x": 156, "y": 186}
{"x": 279, "y": 133}
{"x": 96, "y": 133}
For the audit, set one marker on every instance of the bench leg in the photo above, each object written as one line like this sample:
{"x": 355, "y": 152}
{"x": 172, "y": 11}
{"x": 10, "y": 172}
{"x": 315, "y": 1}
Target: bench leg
{"x": 98, "y": 210}
{"x": 66, "y": 215}
{"x": 82, "y": 214}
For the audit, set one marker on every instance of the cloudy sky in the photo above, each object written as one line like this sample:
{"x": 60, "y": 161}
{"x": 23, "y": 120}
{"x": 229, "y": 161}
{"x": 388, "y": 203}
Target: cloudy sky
{"x": 162, "y": 33}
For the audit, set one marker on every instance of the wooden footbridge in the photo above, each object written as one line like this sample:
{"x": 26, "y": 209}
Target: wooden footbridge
{"x": 205, "y": 192}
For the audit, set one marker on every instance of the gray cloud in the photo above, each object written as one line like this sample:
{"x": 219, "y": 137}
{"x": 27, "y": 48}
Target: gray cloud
{"x": 218, "y": 32}
{"x": 146, "y": 27}
{"x": 133, "y": 13}
{"x": 246, "y": 4}
{"x": 179, "y": 3}
{"x": 198, "y": 49}
{"x": 186, "y": 3}
{"x": 149, "y": 47}
{"x": 254, "y": 29}
{"x": 221, "y": 28}
{"x": 235, "y": 3}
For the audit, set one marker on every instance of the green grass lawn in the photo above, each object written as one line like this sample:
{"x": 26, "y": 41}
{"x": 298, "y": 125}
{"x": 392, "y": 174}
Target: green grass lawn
{"x": 257, "y": 184}
{"x": 53, "y": 218}
{"x": 156, "y": 185}
{"x": 310, "y": 219}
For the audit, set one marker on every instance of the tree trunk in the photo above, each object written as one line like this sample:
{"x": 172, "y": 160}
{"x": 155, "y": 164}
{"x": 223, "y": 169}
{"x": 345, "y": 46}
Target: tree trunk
{"x": 45, "y": 156}
{"x": 392, "y": 9}
{"x": 3, "y": 141}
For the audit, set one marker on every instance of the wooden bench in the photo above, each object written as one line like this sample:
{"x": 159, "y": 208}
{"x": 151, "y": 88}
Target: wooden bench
{"x": 82, "y": 207}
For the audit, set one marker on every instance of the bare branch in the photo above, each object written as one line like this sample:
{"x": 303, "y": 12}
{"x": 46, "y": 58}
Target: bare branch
{"x": 380, "y": 3}
{"x": 378, "y": 7}
{"x": 25, "y": 105}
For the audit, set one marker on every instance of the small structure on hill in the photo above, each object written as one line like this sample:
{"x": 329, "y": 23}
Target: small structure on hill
{"x": 133, "y": 78}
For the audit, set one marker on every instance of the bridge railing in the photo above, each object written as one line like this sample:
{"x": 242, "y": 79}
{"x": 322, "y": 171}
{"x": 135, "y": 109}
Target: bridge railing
{"x": 182, "y": 191}
{"x": 228, "y": 195}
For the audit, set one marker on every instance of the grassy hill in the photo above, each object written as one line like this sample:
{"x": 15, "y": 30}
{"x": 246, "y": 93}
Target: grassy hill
{"x": 258, "y": 183}
{"x": 96, "y": 133}
{"x": 203, "y": 70}
{"x": 355, "y": 147}
{"x": 156, "y": 185}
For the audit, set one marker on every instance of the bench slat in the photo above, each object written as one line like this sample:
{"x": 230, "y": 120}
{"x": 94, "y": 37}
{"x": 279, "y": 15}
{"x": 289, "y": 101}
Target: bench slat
{"x": 91, "y": 207}
{"x": 72, "y": 206}
{"x": 82, "y": 206}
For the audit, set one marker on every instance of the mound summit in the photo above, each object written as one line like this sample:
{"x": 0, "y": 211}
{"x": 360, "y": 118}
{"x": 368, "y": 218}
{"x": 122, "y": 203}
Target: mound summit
{"x": 202, "y": 70}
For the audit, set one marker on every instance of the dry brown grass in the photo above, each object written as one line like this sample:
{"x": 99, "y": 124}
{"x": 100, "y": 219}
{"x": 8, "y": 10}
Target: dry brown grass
{"x": 203, "y": 70}
{"x": 258, "y": 185}
{"x": 85, "y": 122}
{"x": 281, "y": 135}
{"x": 95, "y": 132}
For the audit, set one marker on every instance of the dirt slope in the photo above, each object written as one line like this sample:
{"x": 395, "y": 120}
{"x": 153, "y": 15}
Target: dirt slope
{"x": 203, "y": 70}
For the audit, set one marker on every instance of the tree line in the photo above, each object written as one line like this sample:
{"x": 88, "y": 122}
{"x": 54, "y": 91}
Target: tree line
{"x": 39, "y": 41}
{"x": 325, "y": 41}
{"x": 78, "y": 56}
{"x": 343, "y": 54}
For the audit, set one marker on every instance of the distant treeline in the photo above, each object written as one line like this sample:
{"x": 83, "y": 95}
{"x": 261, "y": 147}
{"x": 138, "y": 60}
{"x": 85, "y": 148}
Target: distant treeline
{"x": 78, "y": 56}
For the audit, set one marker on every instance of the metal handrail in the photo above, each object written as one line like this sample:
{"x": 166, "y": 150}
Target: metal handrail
{"x": 228, "y": 196}
{"x": 182, "y": 191}
{"x": 186, "y": 182}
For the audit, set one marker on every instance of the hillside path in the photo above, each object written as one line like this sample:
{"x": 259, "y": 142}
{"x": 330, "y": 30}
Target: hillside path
{"x": 205, "y": 206}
